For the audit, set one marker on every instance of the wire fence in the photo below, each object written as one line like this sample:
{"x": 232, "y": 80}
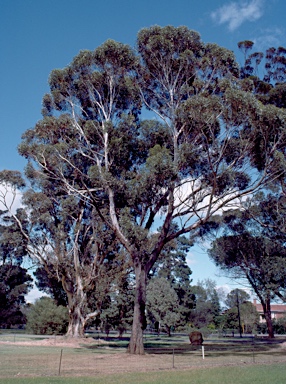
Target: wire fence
{"x": 23, "y": 356}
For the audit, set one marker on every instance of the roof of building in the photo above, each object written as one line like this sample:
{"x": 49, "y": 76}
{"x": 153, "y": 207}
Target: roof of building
{"x": 274, "y": 307}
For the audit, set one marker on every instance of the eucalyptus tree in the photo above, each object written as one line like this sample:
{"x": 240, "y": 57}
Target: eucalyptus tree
{"x": 212, "y": 142}
{"x": 63, "y": 236}
{"x": 265, "y": 72}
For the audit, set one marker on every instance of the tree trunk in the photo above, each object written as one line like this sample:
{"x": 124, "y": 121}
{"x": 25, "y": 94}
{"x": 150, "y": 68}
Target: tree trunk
{"x": 267, "y": 313}
{"x": 76, "y": 323}
{"x": 168, "y": 329}
{"x": 79, "y": 313}
{"x": 77, "y": 319}
{"x": 136, "y": 345}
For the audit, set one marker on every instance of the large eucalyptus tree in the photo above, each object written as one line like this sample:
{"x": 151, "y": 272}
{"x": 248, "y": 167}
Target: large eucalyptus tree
{"x": 210, "y": 143}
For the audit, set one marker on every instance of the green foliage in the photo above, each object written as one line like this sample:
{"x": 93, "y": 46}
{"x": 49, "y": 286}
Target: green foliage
{"x": 239, "y": 306}
{"x": 172, "y": 266}
{"x": 13, "y": 179}
{"x": 279, "y": 326}
{"x": 46, "y": 318}
{"x": 117, "y": 306}
{"x": 246, "y": 251}
{"x": 253, "y": 247}
{"x": 48, "y": 283}
{"x": 13, "y": 243}
{"x": 163, "y": 304}
{"x": 236, "y": 297}
{"x": 207, "y": 309}
{"x": 14, "y": 284}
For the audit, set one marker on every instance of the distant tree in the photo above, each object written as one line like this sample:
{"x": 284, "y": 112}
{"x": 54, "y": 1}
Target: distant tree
{"x": 163, "y": 304}
{"x": 15, "y": 283}
{"x": 235, "y": 297}
{"x": 241, "y": 313}
{"x": 117, "y": 304}
{"x": 172, "y": 266}
{"x": 251, "y": 246}
{"x": 47, "y": 318}
{"x": 257, "y": 259}
{"x": 248, "y": 315}
{"x": 207, "y": 309}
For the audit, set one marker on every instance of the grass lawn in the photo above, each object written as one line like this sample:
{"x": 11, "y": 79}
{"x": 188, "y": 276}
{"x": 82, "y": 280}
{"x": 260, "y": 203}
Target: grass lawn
{"x": 257, "y": 374}
{"x": 25, "y": 359}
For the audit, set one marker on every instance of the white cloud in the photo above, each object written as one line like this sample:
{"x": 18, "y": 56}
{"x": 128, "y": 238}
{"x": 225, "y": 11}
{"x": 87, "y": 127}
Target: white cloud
{"x": 186, "y": 198}
{"x": 191, "y": 259}
{"x": 33, "y": 295}
{"x": 270, "y": 37}
{"x": 236, "y": 13}
{"x": 10, "y": 198}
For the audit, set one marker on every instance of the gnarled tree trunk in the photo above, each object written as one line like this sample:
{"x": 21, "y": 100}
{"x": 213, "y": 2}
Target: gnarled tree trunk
{"x": 76, "y": 323}
{"x": 76, "y": 303}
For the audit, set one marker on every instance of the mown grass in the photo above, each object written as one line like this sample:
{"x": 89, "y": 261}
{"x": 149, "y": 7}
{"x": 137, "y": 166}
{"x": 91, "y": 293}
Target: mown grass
{"x": 167, "y": 360}
{"x": 258, "y": 374}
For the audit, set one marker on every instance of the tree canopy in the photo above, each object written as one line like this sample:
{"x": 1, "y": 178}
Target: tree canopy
{"x": 15, "y": 282}
{"x": 252, "y": 247}
{"x": 212, "y": 142}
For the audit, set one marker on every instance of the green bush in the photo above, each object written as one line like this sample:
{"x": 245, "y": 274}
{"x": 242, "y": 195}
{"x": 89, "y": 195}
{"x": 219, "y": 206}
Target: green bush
{"x": 279, "y": 326}
{"x": 46, "y": 318}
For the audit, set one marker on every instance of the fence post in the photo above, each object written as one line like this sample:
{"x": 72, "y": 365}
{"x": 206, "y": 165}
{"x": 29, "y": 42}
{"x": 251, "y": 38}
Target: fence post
{"x": 253, "y": 349}
{"x": 60, "y": 362}
{"x": 203, "y": 352}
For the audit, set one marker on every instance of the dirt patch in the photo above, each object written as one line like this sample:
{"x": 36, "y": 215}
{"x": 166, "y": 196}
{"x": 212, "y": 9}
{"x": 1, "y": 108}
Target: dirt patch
{"x": 59, "y": 341}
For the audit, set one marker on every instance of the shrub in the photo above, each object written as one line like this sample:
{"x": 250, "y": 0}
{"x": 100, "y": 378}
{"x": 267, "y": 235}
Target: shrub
{"x": 46, "y": 318}
{"x": 279, "y": 326}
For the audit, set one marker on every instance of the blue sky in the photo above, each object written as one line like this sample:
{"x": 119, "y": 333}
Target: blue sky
{"x": 37, "y": 36}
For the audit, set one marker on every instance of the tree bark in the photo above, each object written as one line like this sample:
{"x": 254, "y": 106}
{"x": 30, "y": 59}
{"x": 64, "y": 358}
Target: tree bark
{"x": 76, "y": 304}
{"x": 136, "y": 345}
{"x": 76, "y": 322}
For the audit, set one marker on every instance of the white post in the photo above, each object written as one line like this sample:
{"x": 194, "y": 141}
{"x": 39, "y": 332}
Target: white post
{"x": 203, "y": 352}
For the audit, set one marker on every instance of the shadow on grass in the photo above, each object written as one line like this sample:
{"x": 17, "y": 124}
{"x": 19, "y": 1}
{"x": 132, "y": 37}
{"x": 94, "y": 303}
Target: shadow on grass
{"x": 110, "y": 343}
{"x": 169, "y": 345}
